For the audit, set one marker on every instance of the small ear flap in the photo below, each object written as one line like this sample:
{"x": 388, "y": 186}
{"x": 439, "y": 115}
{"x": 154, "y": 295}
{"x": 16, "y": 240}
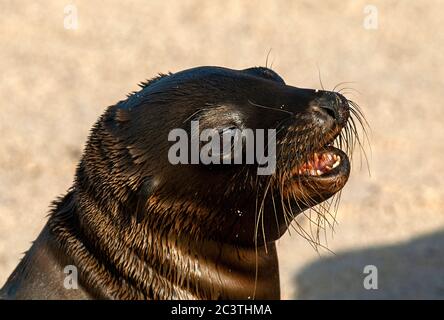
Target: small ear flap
{"x": 145, "y": 191}
{"x": 136, "y": 203}
{"x": 147, "y": 188}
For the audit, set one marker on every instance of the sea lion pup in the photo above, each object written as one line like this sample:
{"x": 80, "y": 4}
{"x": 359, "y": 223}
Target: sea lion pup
{"x": 136, "y": 226}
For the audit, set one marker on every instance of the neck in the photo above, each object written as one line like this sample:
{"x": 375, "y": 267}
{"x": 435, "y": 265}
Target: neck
{"x": 132, "y": 261}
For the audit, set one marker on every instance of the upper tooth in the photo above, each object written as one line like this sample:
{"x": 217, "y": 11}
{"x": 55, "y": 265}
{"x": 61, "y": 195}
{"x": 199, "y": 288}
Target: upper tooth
{"x": 319, "y": 172}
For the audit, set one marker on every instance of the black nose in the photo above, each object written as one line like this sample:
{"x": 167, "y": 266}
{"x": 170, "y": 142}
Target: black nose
{"x": 332, "y": 106}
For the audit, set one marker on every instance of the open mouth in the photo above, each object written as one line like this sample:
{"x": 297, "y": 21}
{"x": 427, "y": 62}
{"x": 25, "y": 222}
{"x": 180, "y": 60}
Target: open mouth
{"x": 327, "y": 162}
{"x": 320, "y": 163}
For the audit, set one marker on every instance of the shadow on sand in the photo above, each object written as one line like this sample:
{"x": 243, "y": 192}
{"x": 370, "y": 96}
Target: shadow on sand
{"x": 409, "y": 270}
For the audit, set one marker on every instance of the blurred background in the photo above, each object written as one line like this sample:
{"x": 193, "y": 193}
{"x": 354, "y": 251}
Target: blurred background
{"x": 58, "y": 74}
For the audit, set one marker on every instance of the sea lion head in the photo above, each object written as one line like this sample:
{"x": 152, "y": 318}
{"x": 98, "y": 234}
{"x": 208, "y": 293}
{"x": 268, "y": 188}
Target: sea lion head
{"x": 225, "y": 202}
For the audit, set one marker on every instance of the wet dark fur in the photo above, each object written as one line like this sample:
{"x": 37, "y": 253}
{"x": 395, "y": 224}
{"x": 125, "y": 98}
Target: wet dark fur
{"x": 137, "y": 227}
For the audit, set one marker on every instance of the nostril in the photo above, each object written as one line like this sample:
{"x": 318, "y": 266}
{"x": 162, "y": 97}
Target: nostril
{"x": 330, "y": 111}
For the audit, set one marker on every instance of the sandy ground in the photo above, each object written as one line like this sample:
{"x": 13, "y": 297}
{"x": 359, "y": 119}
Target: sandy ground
{"x": 55, "y": 82}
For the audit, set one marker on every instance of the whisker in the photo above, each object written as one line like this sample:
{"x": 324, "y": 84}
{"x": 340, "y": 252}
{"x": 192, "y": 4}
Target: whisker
{"x": 266, "y": 60}
{"x": 195, "y": 113}
{"x": 351, "y": 89}
{"x": 269, "y": 108}
{"x": 320, "y": 78}
{"x": 321, "y": 217}
{"x": 341, "y": 83}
